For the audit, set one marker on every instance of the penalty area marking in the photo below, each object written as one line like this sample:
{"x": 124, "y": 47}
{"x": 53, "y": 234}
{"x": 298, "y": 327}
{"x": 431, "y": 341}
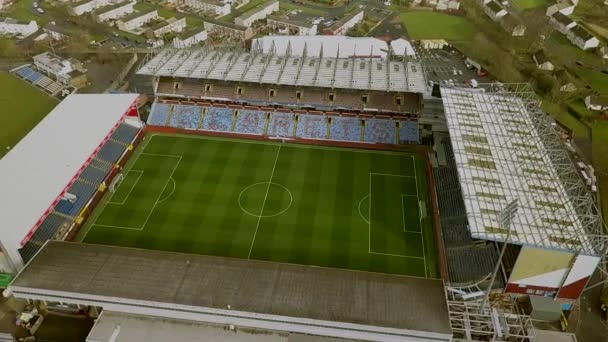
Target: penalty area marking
{"x": 128, "y": 193}
{"x": 155, "y": 203}
{"x": 359, "y": 208}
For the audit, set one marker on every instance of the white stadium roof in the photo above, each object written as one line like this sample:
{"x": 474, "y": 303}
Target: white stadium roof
{"x": 502, "y": 155}
{"x": 309, "y": 71}
{"x": 332, "y": 46}
{"x": 36, "y": 171}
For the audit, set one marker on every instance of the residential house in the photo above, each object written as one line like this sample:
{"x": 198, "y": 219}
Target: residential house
{"x": 494, "y": 10}
{"x": 541, "y": 61}
{"x": 170, "y": 25}
{"x": 136, "y": 20}
{"x": 298, "y": 24}
{"x": 582, "y": 38}
{"x": 561, "y": 22}
{"x": 67, "y": 71}
{"x": 13, "y": 27}
{"x": 214, "y": 6}
{"x": 85, "y": 6}
{"x": 258, "y": 13}
{"x": 341, "y": 26}
{"x": 190, "y": 38}
{"x": 563, "y": 7}
{"x": 596, "y": 103}
{"x": 114, "y": 11}
{"x": 228, "y": 29}
{"x": 447, "y": 5}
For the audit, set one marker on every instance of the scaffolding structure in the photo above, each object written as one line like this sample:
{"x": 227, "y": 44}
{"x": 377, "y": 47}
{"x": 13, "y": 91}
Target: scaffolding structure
{"x": 310, "y": 69}
{"x": 507, "y": 148}
{"x": 472, "y": 319}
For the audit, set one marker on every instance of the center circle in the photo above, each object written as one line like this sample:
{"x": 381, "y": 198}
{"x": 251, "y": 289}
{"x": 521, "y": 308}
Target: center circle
{"x": 265, "y": 199}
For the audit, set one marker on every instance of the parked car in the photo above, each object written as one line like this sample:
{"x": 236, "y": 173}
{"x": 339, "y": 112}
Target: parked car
{"x": 39, "y": 10}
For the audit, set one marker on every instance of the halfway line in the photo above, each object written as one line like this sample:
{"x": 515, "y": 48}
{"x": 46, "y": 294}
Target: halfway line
{"x": 264, "y": 202}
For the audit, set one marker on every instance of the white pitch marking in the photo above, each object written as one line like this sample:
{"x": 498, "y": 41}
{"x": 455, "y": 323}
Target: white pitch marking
{"x": 264, "y": 202}
{"x": 128, "y": 193}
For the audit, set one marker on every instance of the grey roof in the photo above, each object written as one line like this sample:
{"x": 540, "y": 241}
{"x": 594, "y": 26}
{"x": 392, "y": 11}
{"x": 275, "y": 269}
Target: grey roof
{"x": 109, "y": 8}
{"x": 340, "y": 22}
{"x": 581, "y": 32}
{"x": 256, "y": 9}
{"x": 313, "y": 70}
{"x": 494, "y": 6}
{"x": 284, "y": 290}
{"x": 561, "y": 18}
{"x": 136, "y": 15}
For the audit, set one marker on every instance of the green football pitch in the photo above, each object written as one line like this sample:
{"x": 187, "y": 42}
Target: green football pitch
{"x": 324, "y": 206}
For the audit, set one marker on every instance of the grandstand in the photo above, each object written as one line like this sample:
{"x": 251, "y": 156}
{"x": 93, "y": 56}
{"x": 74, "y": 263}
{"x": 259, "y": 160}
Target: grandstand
{"x": 502, "y": 148}
{"x": 54, "y": 173}
{"x": 362, "y": 83}
{"x": 48, "y": 85}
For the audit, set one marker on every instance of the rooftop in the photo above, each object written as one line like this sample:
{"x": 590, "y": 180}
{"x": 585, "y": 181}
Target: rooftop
{"x": 136, "y": 15}
{"x": 256, "y": 9}
{"x": 581, "y": 32}
{"x": 340, "y": 22}
{"x": 109, "y": 8}
{"x": 272, "y": 291}
{"x": 57, "y": 147}
{"x": 494, "y": 6}
{"x": 310, "y": 70}
{"x": 506, "y": 150}
{"x": 329, "y": 46}
{"x": 225, "y": 24}
{"x": 191, "y": 33}
{"x": 561, "y": 18}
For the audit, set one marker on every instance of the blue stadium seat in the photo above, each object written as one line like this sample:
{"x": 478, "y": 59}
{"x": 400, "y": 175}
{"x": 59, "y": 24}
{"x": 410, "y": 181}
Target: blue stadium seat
{"x": 380, "y": 131}
{"x": 281, "y": 125}
{"x": 218, "y": 119}
{"x": 250, "y": 122}
{"x": 159, "y": 114}
{"x": 111, "y": 151}
{"x": 83, "y": 192}
{"x": 312, "y": 126}
{"x": 93, "y": 175}
{"x": 47, "y": 230}
{"x": 408, "y": 132}
{"x": 345, "y": 128}
{"x": 125, "y": 133}
{"x": 185, "y": 116}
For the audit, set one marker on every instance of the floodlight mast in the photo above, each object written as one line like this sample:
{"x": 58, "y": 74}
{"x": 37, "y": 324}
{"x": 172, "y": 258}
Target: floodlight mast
{"x": 505, "y": 218}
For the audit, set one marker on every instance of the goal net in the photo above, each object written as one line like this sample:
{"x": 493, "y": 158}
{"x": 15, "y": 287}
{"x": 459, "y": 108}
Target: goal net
{"x": 116, "y": 182}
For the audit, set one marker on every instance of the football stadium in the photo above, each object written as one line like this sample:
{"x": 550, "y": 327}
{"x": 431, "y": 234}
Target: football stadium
{"x": 304, "y": 190}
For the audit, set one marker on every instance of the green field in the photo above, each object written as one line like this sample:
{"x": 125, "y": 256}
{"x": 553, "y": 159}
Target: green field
{"x": 435, "y": 25}
{"x": 23, "y": 106}
{"x": 527, "y": 4}
{"x": 345, "y": 208}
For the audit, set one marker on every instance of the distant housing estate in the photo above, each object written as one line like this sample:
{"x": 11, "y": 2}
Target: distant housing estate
{"x": 190, "y": 38}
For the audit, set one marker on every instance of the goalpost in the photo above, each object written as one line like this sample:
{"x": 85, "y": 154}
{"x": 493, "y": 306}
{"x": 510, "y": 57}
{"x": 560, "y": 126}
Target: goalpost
{"x": 116, "y": 182}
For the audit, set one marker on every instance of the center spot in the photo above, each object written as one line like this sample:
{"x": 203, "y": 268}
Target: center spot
{"x": 265, "y": 199}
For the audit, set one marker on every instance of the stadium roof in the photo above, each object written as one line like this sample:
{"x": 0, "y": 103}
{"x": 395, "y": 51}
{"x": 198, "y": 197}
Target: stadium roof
{"x": 505, "y": 150}
{"x": 311, "y": 70}
{"x": 330, "y": 46}
{"x": 141, "y": 328}
{"x": 257, "y": 294}
{"x": 37, "y": 170}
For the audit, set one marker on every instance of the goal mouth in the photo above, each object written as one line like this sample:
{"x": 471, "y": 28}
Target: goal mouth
{"x": 115, "y": 183}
